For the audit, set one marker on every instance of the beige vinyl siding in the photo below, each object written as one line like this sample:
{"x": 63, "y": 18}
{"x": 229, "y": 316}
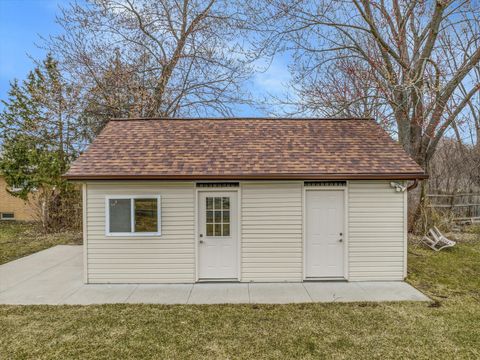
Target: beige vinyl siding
{"x": 376, "y": 231}
{"x": 271, "y": 219}
{"x": 168, "y": 258}
{"x": 271, "y": 230}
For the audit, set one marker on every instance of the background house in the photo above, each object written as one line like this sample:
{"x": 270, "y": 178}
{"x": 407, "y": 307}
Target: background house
{"x": 14, "y": 208}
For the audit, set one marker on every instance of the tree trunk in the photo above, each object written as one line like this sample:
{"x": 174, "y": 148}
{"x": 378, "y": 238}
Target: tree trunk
{"x": 419, "y": 209}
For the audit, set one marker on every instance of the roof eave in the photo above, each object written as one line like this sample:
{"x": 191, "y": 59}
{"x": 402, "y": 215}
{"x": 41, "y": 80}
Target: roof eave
{"x": 387, "y": 176}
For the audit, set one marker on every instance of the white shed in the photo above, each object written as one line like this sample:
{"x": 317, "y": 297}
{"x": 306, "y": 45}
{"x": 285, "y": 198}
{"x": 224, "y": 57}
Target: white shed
{"x": 266, "y": 200}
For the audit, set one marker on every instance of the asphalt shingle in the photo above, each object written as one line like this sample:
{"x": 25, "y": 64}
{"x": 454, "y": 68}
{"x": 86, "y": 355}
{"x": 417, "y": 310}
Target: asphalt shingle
{"x": 244, "y": 148}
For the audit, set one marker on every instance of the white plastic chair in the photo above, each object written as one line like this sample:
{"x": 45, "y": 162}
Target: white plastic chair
{"x": 438, "y": 240}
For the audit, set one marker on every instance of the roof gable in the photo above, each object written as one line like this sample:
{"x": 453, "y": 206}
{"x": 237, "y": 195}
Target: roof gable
{"x": 240, "y": 148}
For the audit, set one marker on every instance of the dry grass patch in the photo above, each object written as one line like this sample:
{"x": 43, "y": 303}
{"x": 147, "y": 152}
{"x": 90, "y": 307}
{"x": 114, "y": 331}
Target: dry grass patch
{"x": 304, "y": 331}
{"x": 445, "y": 329}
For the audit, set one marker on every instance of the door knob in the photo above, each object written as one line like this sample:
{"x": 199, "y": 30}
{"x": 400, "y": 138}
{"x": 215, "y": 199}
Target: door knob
{"x": 340, "y": 240}
{"x": 201, "y": 241}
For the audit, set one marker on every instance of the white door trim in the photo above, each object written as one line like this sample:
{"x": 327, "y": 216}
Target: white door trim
{"x": 239, "y": 226}
{"x": 345, "y": 225}
{"x": 405, "y": 232}
{"x": 85, "y": 231}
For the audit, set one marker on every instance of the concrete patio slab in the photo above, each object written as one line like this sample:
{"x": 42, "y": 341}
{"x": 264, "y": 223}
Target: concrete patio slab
{"x": 50, "y": 287}
{"x": 100, "y": 294}
{"x": 22, "y": 269}
{"x": 278, "y": 293}
{"x": 390, "y": 291}
{"x": 161, "y": 294}
{"x": 220, "y": 293}
{"x": 335, "y": 291}
{"x": 54, "y": 276}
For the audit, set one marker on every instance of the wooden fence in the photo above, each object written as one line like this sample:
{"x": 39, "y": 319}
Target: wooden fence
{"x": 465, "y": 207}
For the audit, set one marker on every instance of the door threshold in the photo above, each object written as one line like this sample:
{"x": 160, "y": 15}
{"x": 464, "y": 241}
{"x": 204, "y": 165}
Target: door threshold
{"x": 233, "y": 280}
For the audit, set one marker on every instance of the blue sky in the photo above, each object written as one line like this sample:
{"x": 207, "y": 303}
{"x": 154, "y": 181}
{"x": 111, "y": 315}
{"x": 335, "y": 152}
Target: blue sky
{"x": 23, "y": 21}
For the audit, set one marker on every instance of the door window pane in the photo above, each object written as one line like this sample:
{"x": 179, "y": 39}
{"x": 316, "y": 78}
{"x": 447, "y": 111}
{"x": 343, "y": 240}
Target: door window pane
{"x": 225, "y": 203}
{"x": 120, "y": 215}
{"x": 146, "y": 219}
{"x": 226, "y": 229}
{"x": 226, "y": 216}
{"x": 209, "y": 229}
{"x": 217, "y": 220}
{"x": 209, "y": 203}
{"x": 209, "y": 216}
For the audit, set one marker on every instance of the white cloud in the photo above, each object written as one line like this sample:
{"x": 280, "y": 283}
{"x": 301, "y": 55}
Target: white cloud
{"x": 275, "y": 80}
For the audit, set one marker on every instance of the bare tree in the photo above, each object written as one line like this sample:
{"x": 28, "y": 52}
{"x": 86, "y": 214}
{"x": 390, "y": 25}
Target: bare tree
{"x": 152, "y": 57}
{"x": 455, "y": 167}
{"x": 391, "y": 53}
{"x": 467, "y": 124}
{"x": 346, "y": 89}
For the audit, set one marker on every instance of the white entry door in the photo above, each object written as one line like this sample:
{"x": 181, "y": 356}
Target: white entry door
{"x": 217, "y": 236}
{"x": 324, "y": 250}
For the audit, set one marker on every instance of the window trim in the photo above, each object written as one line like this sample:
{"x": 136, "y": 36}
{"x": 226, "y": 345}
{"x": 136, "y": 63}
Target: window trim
{"x": 132, "y": 215}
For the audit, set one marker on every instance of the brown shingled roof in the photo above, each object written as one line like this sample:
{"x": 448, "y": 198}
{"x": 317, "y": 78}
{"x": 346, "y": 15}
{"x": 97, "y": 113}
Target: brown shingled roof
{"x": 244, "y": 149}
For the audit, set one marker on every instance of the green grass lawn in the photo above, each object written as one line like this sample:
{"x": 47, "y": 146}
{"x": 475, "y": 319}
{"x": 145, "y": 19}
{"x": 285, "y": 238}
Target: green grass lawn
{"x": 19, "y": 239}
{"x": 448, "y": 328}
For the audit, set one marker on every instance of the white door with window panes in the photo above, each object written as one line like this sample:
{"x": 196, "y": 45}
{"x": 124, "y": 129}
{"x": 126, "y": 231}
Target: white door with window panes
{"x": 217, "y": 235}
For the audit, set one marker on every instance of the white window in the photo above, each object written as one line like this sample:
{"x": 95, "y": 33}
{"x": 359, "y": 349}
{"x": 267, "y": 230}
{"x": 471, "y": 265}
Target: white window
{"x": 7, "y": 216}
{"x": 135, "y": 215}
